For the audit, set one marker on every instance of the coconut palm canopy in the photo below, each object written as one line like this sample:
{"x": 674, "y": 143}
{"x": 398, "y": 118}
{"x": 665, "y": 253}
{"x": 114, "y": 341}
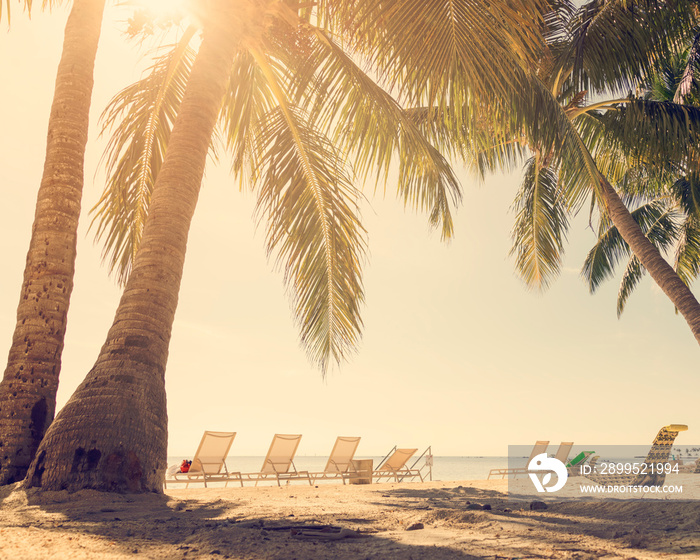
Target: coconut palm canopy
{"x": 664, "y": 197}
{"x": 305, "y": 124}
{"x": 578, "y": 146}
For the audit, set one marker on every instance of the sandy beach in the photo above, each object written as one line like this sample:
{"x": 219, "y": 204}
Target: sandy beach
{"x": 433, "y": 520}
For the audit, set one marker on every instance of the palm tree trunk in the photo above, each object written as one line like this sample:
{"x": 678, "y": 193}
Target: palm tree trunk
{"x": 662, "y": 273}
{"x": 29, "y": 385}
{"x": 112, "y": 433}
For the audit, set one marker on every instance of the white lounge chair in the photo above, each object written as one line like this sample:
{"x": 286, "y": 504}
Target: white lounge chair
{"x": 540, "y": 447}
{"x": 650, "y": 475}
{"x": 209, "y": 462}
{"x": 339, "y": 463}
{"x": 562, "y": 453}
{"x": 279, "y": 462}
{"x": 394, "y": 465}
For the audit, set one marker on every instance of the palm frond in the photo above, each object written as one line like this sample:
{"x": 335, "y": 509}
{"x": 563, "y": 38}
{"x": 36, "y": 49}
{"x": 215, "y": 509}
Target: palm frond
{"x": 547, "y": 126}
{"x": 484, "y": 141}
{"x": 366, "y": 122}
{"x": 610, "y": 159}
{"x": 310, "y": 204}
{"x": 654, "y": 132}
{"x": 659, "y": 222}
{"x": 247, "y": 100}
{"x": 687, "y": 81}
{"x": 662, "y": 232}
{"x": 686, "y": 192}
{"x": 687, "y": 258}
{"x": 140, "y": 118}
{"x": 27, "y": 5}
{"x": 540, "y": 227}
{"x": 634, "y": 272}
{"x": 614, "y": 43}
{"x": 458, "y": 47}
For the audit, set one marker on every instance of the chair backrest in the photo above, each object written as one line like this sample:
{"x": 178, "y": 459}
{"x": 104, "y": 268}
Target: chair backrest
{"x": 212, "y": 452}
{"x": 540, "y": 447}
{"x": 398, "y": 460}
{"x": 281, "y": 453}
{"x": 564, "y": 450}
{"x": 663, "y": 442}
{"x": 341, "y": 455}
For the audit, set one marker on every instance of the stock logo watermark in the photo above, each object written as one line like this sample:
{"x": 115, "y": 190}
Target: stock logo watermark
{"x": 543, "y": 465}
{"x": 602, "y": 472}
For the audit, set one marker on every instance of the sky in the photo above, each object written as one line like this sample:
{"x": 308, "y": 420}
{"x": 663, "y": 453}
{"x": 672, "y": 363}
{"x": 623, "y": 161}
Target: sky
{"x": 456, "y": 354}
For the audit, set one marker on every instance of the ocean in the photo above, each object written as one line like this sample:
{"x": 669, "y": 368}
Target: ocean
{"x": 444, "y": 468}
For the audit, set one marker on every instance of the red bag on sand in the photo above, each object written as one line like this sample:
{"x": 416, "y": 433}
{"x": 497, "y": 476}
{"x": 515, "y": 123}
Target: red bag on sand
{"x": 185, "y": 466}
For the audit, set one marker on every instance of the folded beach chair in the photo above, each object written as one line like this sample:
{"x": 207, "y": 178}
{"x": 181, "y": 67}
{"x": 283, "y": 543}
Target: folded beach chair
{"x": 209, "y": 462}
{"x": 573, "y": 467}
{"x": 580, "y": 459}
{"x": 394, "y": 465}
{"x": 279, "y": 462}
{"x": 659, "y": 453}
{"x": 339, "y": 463}
{"x": 540, "y": 447}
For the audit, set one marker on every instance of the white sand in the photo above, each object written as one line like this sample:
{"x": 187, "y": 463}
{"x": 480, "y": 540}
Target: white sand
{"x": 258, "y": 523}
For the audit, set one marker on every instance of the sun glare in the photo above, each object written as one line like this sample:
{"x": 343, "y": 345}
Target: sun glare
{"x": 163, "y": 9}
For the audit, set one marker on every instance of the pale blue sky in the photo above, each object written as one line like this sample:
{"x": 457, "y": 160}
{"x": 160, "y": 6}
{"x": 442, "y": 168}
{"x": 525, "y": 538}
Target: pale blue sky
{"x": 456, "y": 354}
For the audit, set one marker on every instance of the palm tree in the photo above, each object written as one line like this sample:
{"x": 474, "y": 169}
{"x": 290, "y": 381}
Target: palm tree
{"x": 665, "y": 201}
{"x": 29, "y": 385}
{"x": 549, "y": 119}
{"x": 272, "y": 106}
{"x": 111, "y": 435}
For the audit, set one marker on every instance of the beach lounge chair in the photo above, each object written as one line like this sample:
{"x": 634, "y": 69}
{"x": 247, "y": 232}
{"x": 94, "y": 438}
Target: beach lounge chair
{"x": 659, "y": 453}
{"x": 573, "y": 467}
{"x": 562, "y": 453}
{"x": 394, "y": 465}
{"x": 279, "y": 462}
{"x": 339, "y": 463}
{"x": 540, "y": 447}
{"x": 209, "y": 462}
{"x": 580, "y": 459}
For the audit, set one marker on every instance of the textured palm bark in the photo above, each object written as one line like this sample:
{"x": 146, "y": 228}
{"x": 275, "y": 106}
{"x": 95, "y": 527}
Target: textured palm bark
{"x": 29, "y": 385}
{"x": 112, "y": 433}
{"x": 662, "y": 273}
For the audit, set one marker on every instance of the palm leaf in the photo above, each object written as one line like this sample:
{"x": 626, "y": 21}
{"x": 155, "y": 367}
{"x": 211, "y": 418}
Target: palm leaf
{"x": 141, "y": 117}
{"x": 662, "y": 233}
{"x": 486, "y": 143}
{"x": 686, "y": 192}
{"x": 654, "y": 132}
{"x": 365, "y": 121}
{"x": 27, "y": 5}
{"x": 687, "y": 258}
{"x": 687, "y": 82}
{"x": 310, "y": 204}
{"x": 459, "y": 44}
{"x": 659, "y": 222}
{"x": 540, "y": 227}
{"x": 247, "y": 100}
{"x": 613, "y": 43}
{"x": 634, "y": 272}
